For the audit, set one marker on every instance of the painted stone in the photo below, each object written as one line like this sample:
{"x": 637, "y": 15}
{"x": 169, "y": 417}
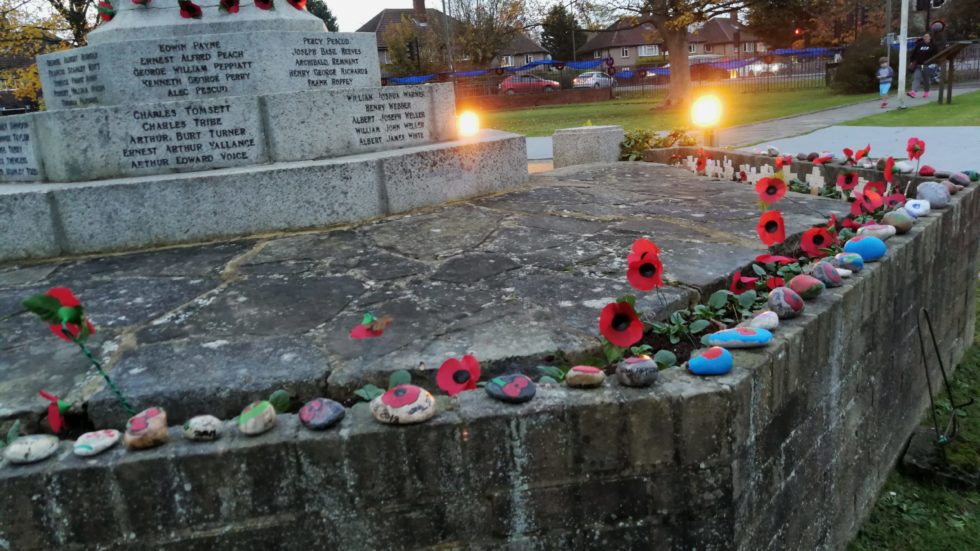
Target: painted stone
{"x": 960, "y": 178}
{"x": 96, "y": 442}
{"x": 772, "y": 151}
{"x": 881, "y": 231}
{"x": 256, "y": 418}
{"x": 826, "y": 273}
{"x": 973, "y": 175}
{"x": 898, "y": 219}
{"x": 917, "y": 208}
{"x": 905, "y": 167}
{"x": 740, "y": 337}
{"x": 813, "y": 156}
{"x": 844, "y": 273}
{"x": 765, "y": 320}
{"x": 321, "y": 413}
{"x": 926, "y": 170}
{"x": 638, "y": 371}
{"x": 802, "y": 157}
{"x": 585, "y": 376}
{"x": 31, "y": 449}
{"x": 941, "y": 175}
{"x": 806, "y": 286}
{"x": 935, "y": 193}
{"x": 203, "y": 428}
{"x": 849, "y": 261}
{"x": 870, "y": 248}
{"x": 867, "y": 163}
{"x": 785, "y": 303}
{"x": 514, "y": 389}
{"x": 146, "y": 429}
{"x": 952, "y": 188}
{"x": 404, "y": 405}
{"x": 713, "y": 361}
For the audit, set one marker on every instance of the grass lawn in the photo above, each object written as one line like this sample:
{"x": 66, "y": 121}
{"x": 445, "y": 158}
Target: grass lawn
{"x": 964, "y": 111}
{"x": 913, "y": 515}
{"x": 741, "y": 108}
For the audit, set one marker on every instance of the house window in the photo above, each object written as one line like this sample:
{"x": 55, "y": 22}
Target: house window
{"x": 748, "y": 47}
{"x": 692, "y": 48}
{"x": 506, "y": 61}
{"x": 707, "y": 48}
{"x": 649, "y": 50}
{"x": 625, "y": 52}
{"x": 596, "y": 54}
{"x": 528, "y": 58}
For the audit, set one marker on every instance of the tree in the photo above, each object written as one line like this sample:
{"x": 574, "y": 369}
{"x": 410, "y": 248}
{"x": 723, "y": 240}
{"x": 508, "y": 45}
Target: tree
{"x": 560, "y": 33}
{"x": 963, "y": 19}
{"x": 823, "y": 22}
{"x": 77, "y": 17}
{"x": 26, "y": 31}
{"x": 414, "y": 49}
{"x": 486, "y": 27}
{"x": 320, "y": 9}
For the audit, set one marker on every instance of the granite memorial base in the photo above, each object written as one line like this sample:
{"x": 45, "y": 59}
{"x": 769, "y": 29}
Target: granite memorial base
{"x": 587, "y": 144}
{"x": 52, "y": 219}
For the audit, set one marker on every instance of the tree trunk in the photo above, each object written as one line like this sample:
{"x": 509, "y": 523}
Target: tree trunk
{"x": 680, "y": 68}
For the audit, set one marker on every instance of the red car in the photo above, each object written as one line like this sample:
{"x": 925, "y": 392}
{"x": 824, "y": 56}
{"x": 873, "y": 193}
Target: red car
{"x": 527, "y": 83}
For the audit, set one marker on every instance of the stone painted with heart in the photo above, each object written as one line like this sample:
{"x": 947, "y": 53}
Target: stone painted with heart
{"x": 826, "y": 273}
{"x": 96, "y": 442}
{"x": 203, "y": 428}
{"x": 713, "y": 361}
{"x": 849, "y": 261}
{"x": 765, "y": 320}
{"x": 31, "y": 449}
{"x": 806, "y": 286}
{"x": 146, "y": 429}
{"x": 785, "y": 302}
{"x": 870, "y": 248}
{"x": 585, "y": 376}
{"x": 881, "y": 231}
{"x": 257, "y": 418}
{"x": 321, "y": 413}
{"x": 899, "y": 219}
{"x": 514, "y": 389}
{"x": 740, "y": 337}
{"x": 917, "y": 208}
{"x": 404, "y": 405}
{"x": 638, "y": 371}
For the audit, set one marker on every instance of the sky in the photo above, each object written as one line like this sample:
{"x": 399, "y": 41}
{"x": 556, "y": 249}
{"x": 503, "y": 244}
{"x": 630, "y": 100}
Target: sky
{"x": 351, "y": 14}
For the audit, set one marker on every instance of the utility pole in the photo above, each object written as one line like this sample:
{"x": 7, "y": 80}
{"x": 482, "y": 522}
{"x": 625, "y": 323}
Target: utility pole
{"x": 903, "y": 52}
{"x": 449, "y": 41}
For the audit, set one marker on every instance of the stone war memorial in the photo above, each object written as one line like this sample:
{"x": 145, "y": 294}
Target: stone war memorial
{"x": 250, "y": 296}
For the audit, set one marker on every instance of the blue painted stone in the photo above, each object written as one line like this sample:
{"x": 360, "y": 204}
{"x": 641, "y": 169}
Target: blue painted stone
{"x": 713, "y": 361}
{"x": 740, "y": 337}
{"x": 849, "y": 261}
{"x": 870, "y": 248}
{"x": 917, "y": 208}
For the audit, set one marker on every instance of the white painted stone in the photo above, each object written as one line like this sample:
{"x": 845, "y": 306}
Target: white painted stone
{"x": 844, "y": 272}
{"x": 257, "y": 418}
{"x": 94, "y": 443}
{"x": 881, "y": 231}
{"x": 587, "y": 144}
{"x": 31, "y": 449}
{"x": 203, "y": 428}
{"x": 765, "y": 320}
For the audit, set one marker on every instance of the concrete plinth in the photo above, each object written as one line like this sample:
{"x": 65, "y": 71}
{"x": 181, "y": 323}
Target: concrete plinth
{"x": 587, "y": 144}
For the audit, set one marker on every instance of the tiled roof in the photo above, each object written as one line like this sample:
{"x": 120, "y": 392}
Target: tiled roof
{"x": 521, "y": 44}
{"x": 624, "y": 32}
{"x": 721, "y": 30}
{"x": 380, "y": 23}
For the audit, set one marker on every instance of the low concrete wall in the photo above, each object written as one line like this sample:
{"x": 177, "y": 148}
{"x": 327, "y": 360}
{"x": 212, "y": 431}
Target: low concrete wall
{"x": 786, "y": 452}
{"x": 44, "y": 220}
{"x": 587, "y": 144}
{"x": 521, "y": 101}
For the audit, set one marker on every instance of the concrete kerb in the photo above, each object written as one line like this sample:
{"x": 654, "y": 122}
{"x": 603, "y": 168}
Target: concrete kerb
{"x": 808, "y": 379}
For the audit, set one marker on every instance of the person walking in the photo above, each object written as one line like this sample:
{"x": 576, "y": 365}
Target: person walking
{"x": 884, "y": 74}
{"x": 922, "y": 51}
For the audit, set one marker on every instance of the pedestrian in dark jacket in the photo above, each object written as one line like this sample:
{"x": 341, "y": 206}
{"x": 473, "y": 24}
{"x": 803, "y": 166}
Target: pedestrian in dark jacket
{"x": 923, "y": 50}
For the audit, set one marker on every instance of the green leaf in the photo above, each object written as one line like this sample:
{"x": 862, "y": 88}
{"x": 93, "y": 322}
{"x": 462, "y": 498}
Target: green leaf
{"x": 400, "y": 377}
{"x": 552, "y": 372}
{"x": 641, "y": 350}
{"x": 759, "y": 271}
{"x": 280, "y": 401}
{"x": 674, "y": 339}
{"x": 699, "y": 325}
{"x": 631, "y": 299}
{"x": 369, "y": 392}
{"x": 368, "y": 318}
{"x": 73, "y": 314}
{"x": 612, "y": 352}
{"x": 747, "y": 299}
{"x": 665, "y": 359}
{"x": 84, "y": 332}
{"x": 13, "y": 433}
{"x": 546, "y": 380}
{"x": 704, "y": 339}
{"x": 44, "y": 306}
{"x": 718, "y": 299}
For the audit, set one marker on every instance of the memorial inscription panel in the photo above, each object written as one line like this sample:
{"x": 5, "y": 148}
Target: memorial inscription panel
{"x": 18, "y": 158}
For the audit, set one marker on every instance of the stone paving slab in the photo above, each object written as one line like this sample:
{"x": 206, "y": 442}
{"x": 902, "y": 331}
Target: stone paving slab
{"x": 515, "y": 278}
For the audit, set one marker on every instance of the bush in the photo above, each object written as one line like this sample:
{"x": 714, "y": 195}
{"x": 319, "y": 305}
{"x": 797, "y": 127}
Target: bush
{"x": 858, "y": 66}
{"x": 638, "y": 141}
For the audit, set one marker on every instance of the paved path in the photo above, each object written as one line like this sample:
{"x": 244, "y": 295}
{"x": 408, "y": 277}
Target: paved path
{"x": 512, "y": 277}
{"x": 751, "y": 134}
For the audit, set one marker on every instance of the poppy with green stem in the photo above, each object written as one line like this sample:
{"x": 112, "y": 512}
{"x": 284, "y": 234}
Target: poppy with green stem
{"x": 877, "y": 187}
{"x": 643, "y": 266}
{"x": 815, "y": 241}
{"x": 770, "y": 190}
{"x": 866, "y": 202}
{"x": 619, "y": 324}
{"x": 741, "y": 283}
{"x": 455, "y": 376}
{"x": 771, "y": 228}
{"x": 847, "y": 181}
{"x": 890, "y": 170}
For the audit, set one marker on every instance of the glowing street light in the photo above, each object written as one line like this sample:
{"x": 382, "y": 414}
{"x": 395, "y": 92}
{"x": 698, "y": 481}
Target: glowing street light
{"x": 706, "y": 114}
{"x": 468, "y": 124}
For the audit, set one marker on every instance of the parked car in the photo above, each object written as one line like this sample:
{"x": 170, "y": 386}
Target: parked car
{"x": 760, "y": 68}
{"x": 527, "y": 83}
{"x": 593, "y": 79}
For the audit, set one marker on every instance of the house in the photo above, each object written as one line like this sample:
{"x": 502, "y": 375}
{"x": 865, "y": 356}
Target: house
{"x": 521, "y": 51}
{"x": 422, "y": 17}
{"x": 626, "y": 42}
